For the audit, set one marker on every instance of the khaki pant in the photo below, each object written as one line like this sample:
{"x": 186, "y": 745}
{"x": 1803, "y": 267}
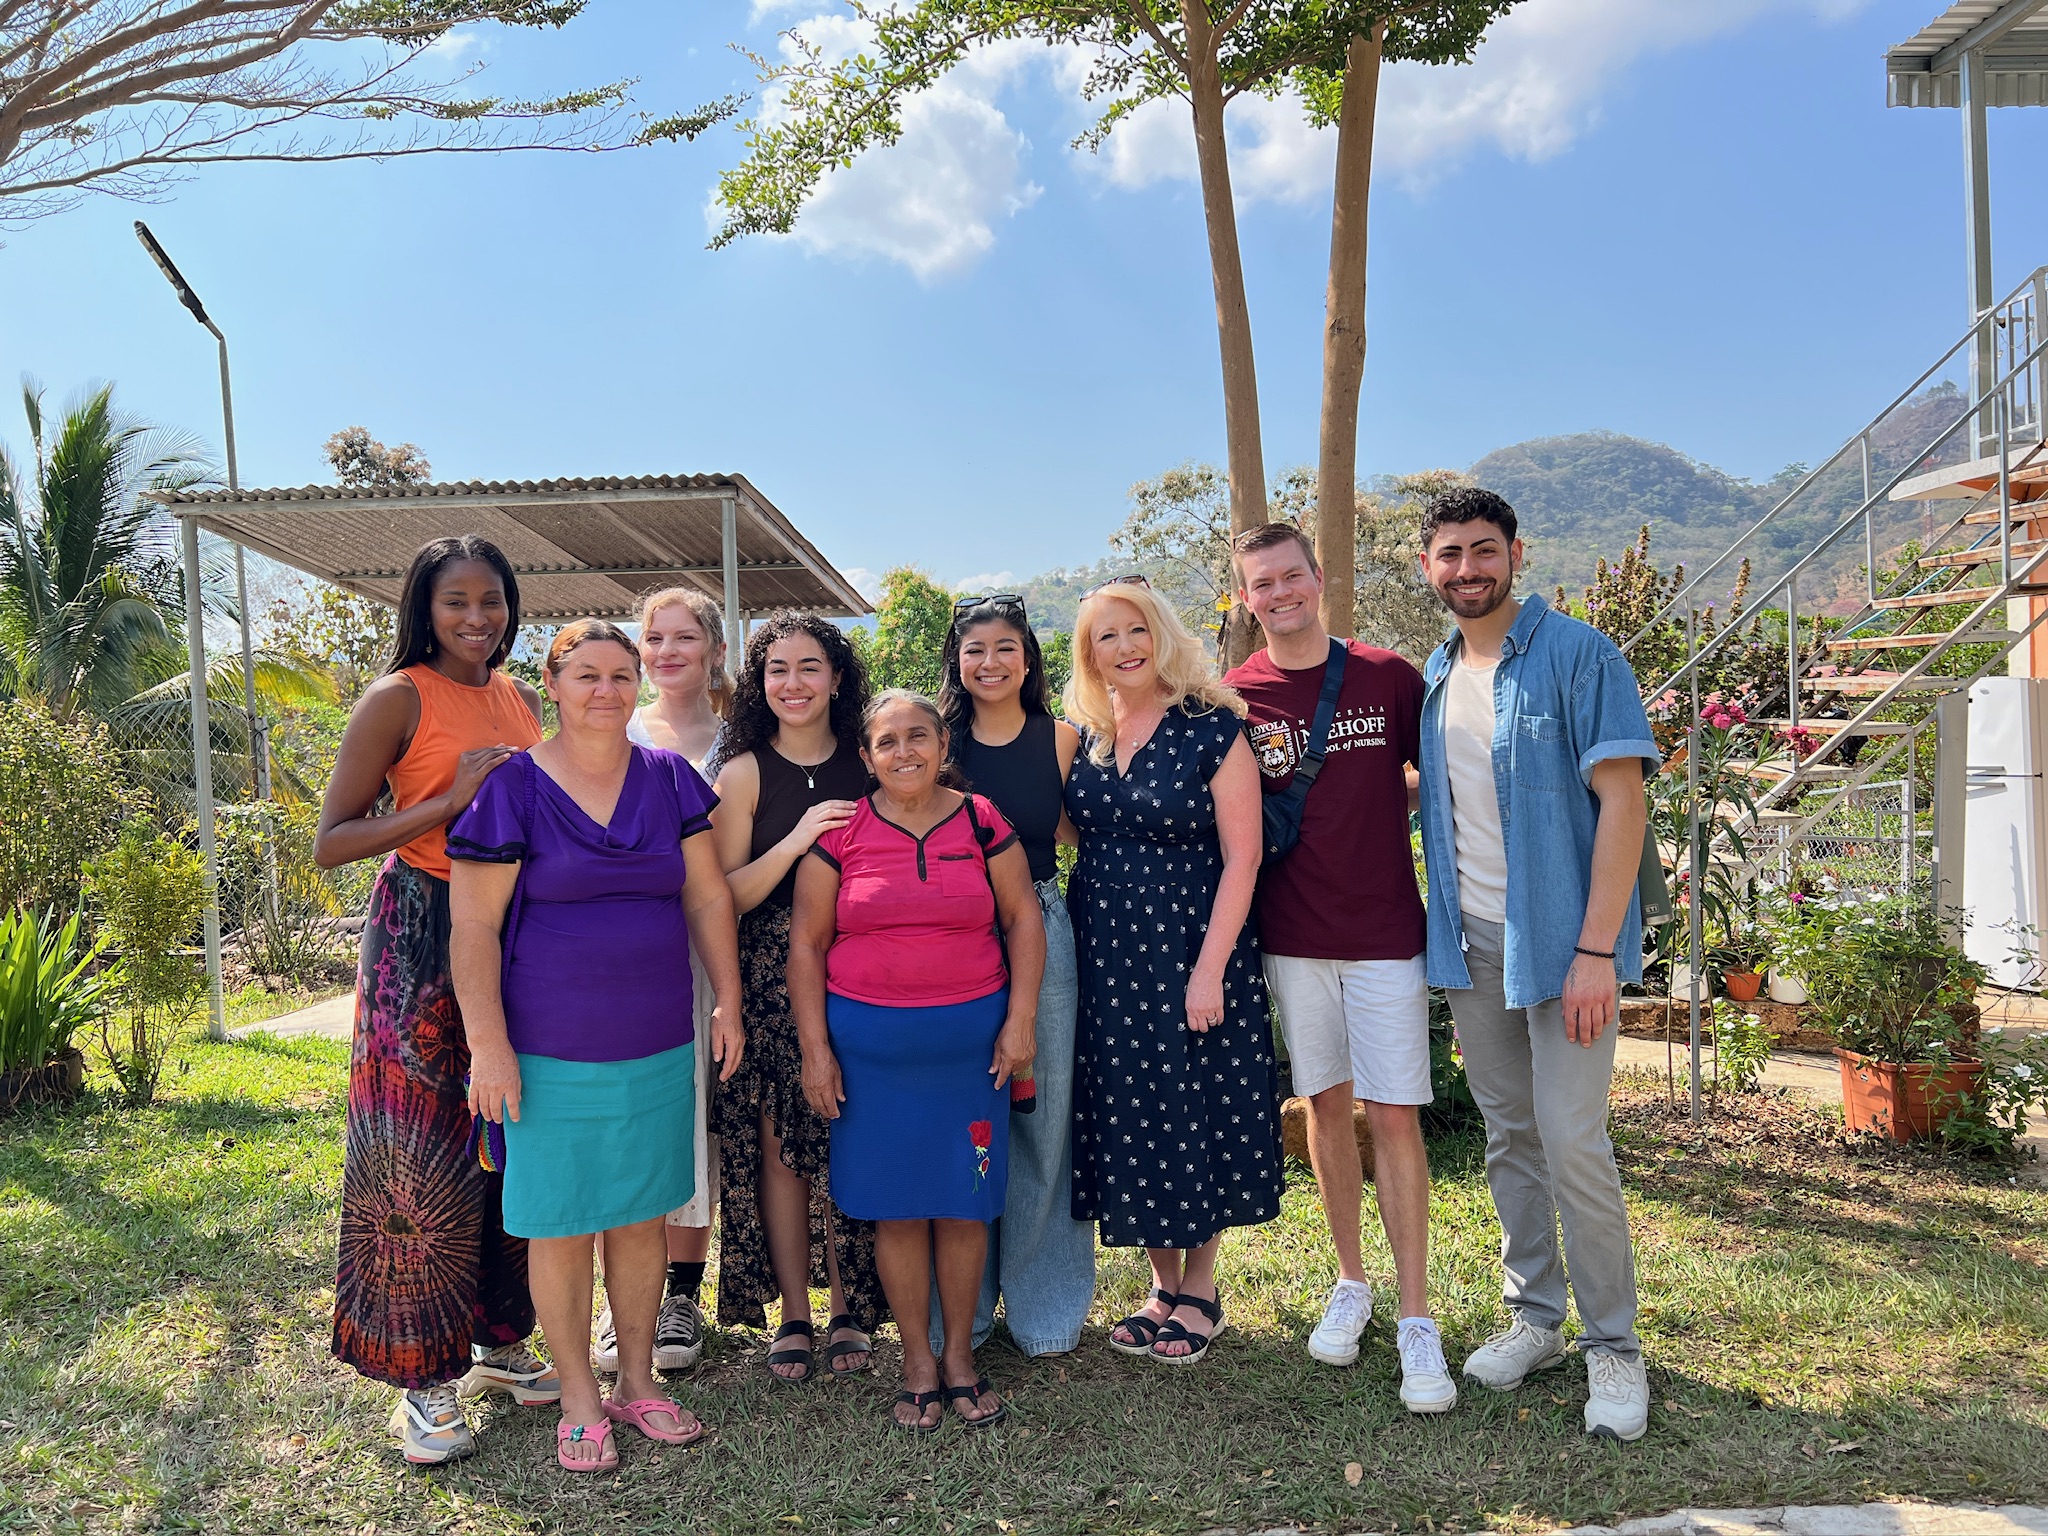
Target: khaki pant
{"x": 1547, "y": 1154}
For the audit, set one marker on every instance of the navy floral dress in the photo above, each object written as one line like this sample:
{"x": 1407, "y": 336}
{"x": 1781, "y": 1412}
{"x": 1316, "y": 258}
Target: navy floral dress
{"x": 1176, "y": 1134}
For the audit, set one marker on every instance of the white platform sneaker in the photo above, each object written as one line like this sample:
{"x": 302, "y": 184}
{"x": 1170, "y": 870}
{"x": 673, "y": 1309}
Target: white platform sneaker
{"x": 1618, "y": 1403}
{"x": 1345, "y": 1316}
{"x": 1426, "y": 1385}
{"x": 1514, "y": 1353}
{"x": 515, "y": 1370}
{"x": 429, "y": 1427}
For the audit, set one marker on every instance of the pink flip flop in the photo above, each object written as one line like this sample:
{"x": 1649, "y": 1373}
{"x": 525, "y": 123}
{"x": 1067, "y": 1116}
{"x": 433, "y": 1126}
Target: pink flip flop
{"x": 567, "y": 1434}
{"x": 635, "y": 1413}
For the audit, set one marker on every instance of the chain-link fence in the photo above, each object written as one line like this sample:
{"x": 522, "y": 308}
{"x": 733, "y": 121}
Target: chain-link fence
{"x": 1876, "y": 839}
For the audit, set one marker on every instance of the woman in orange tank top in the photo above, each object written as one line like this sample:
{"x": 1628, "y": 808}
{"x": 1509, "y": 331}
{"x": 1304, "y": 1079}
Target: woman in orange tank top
{"x": 430, "y": 1293}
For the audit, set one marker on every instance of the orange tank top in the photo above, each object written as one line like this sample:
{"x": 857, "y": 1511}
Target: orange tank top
{"x": 454, "y": 718}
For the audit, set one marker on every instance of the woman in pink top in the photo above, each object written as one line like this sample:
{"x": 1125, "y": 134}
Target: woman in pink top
{"x": 912, "y": 1020}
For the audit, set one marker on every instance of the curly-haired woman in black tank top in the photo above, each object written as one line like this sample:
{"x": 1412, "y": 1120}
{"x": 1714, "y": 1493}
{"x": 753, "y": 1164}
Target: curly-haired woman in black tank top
{"x": 788, "y": 768}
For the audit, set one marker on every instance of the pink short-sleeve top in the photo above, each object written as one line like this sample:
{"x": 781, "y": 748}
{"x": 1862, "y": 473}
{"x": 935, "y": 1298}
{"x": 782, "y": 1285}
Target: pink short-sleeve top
{"x": 916, "y": 915}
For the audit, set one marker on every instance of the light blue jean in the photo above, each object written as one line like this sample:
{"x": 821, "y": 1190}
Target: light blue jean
{"x": 1041, "y": 1262}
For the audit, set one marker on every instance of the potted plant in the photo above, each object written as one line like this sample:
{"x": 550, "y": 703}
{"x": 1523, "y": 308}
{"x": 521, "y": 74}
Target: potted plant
{"x": 48, "y": 992}
{"x": 1899, "y": 998}
{"x": 1784, "y": 913}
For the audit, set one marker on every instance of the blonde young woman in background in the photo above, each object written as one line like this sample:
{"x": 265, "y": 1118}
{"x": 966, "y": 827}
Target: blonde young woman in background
{"x": 682, "y": 648}
{"x": 1175, "y": 1131}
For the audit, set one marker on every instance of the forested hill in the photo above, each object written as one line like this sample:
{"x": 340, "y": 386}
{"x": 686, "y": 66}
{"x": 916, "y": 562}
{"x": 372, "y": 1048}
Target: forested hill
{"x": 1586, "y": 495}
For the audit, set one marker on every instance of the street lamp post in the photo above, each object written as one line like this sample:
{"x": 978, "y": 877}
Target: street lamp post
{"x": 195, "y": 619}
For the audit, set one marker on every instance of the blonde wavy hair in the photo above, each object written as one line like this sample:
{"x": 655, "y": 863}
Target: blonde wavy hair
{"x": 712, "y": 620}
{"x": 1186, "y": 675}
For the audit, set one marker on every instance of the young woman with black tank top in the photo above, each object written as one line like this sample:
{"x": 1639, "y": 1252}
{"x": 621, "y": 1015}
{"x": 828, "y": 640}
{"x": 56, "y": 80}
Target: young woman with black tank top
{"x": 1013, "y": 752}
{"x": 788, "y": 768}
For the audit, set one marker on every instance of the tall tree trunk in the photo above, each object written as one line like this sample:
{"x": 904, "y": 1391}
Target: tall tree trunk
{"x": 1233, "y": 314}
{"x": 1344, "y": 336}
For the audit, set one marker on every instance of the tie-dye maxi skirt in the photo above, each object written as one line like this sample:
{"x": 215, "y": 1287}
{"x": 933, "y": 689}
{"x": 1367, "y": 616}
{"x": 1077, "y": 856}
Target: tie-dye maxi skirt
{"x": 426, "y": 1267}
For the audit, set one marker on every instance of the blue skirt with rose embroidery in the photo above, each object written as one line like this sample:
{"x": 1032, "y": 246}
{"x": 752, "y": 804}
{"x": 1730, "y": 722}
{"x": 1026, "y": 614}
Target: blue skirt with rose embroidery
{"x": 924, "y": 1134}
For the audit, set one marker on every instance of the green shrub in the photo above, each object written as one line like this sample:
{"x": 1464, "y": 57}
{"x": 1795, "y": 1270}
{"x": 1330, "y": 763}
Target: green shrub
{"x": 48, "y": 991}
{"x": 62, "y": 803}
{"x": 150, "y": 891}
{"x": 1742, "y": 1048}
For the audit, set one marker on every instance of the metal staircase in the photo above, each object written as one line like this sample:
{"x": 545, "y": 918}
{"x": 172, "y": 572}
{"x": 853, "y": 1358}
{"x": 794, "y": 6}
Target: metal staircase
{"x": 1951, "y": 468}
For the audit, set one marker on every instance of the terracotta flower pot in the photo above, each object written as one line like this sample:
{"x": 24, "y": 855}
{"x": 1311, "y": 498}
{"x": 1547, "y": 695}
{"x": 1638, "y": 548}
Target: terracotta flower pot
{"x": 1906, "y": 1103}
{"x": 1742, "y": 986}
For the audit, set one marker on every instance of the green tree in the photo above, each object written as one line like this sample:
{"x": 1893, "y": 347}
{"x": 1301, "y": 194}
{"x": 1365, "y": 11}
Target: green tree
{"x": 908, "y": 644}
{"x": 1208, "y": 53}
{"x": 90, "y": 591}
{"x": 62, "y": 804}
{"x": 123, "y": 97}
{"x": 150, "y": 890}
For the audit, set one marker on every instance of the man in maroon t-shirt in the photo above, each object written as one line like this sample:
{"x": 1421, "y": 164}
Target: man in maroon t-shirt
{"x": 1341, "y": 926}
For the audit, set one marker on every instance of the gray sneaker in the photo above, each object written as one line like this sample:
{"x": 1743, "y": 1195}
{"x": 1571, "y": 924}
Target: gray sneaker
{"x": 429, "y": 1427}
{"x": 1618, "y": 1403}
{"x": 678, "y": 1334}
{"x": 515, "y": 1370}
{"x": 604, "y": 1342}
{"x": 1513, "y": 1353}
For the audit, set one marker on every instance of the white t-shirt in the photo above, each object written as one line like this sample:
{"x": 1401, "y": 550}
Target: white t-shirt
{"x": 1475, "y": 798}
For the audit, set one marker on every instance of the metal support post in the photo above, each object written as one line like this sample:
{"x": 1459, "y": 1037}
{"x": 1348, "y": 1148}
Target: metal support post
{"x": 1907, "y": 790}
{"x": 1869, "y": 525}
{"x": 1696, "y": 880}
{"x": 1792, "y": 658}
{"x": 1951, "y": 805}
{"x": 729, "y": 537}
{"x": 202, "y": 772}
{"x": 1977, "y": 236}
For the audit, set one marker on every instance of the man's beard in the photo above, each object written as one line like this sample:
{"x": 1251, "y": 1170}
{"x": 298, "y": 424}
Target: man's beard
{"x": 1476, "y": 608}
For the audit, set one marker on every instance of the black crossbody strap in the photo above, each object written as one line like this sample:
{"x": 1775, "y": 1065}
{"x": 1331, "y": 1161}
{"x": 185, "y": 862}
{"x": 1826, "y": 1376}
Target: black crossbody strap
{"x": 1326, "y": 712}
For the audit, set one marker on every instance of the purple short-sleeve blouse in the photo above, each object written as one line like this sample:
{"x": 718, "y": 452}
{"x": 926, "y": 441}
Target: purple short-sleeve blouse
{"x": 597, "y": 961}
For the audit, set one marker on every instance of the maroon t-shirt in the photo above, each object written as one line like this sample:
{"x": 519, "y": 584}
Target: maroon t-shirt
{"x": 1347, "y": 891}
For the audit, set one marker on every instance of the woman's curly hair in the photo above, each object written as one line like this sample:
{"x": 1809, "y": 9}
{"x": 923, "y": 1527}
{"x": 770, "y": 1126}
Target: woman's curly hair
{"x": 750, "y": 723}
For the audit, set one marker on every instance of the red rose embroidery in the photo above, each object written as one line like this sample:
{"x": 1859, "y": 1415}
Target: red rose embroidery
{"x": 979, "y": 1135}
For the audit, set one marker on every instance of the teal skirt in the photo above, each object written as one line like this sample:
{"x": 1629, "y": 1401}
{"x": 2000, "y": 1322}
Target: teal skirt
{"x": 600, "y": 1144}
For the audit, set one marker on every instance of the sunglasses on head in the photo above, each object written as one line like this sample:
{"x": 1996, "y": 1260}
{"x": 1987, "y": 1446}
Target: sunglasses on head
{"x": 966, "y": 608}
{"x": 1134, "y": 579}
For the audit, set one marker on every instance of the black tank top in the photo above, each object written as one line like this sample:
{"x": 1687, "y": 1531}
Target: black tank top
{"x": 1022, "y": 777}
{"x": 787, "y": 791}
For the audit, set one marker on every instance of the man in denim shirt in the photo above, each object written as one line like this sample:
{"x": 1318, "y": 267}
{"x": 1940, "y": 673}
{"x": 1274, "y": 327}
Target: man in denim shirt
{"x": 1534, "y": 747}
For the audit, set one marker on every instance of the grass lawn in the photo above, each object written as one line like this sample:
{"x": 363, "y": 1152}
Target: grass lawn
{"x": 1823, "y": 1323}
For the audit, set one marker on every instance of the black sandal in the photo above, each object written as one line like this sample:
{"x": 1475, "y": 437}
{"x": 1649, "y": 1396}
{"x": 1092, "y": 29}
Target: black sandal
{"x": 1174, "y": 1331}
{"x": 834, "y": 1352}
{"x": 1144, "y": 1329}
{"x": 920, "y": 1401}
{"x": 974, "y": 1395}
{"x": 801, "y": 1328}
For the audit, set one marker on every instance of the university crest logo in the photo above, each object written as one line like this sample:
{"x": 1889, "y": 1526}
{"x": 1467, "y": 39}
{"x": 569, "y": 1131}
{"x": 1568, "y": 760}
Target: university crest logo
{"x": 1278, "y": 751}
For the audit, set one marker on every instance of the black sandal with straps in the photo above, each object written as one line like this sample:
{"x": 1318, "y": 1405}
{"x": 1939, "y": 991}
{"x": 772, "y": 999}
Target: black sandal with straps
{"x": 800, "y": 1328}
{"x": 1143, "y": 1329}
{"x": 835, "y": 1352}
{"x": 1176, "y": 1332}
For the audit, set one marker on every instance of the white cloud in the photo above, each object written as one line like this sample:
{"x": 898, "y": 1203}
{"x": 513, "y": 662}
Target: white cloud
{"x": 1533, "y": 89}
{"x": 866, "y": 582}
{"x": 760, "y": 10}
{"x": 932, "y": 199}
{"x": 455, "y": 44}
{"x": 987, "y": 581}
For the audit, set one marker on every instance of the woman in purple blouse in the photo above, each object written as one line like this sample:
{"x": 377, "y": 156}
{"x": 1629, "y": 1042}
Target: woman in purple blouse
{"x": 581, "y": 877}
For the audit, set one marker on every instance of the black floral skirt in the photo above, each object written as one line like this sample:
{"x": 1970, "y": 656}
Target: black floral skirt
{"x": 768, "y": 1089}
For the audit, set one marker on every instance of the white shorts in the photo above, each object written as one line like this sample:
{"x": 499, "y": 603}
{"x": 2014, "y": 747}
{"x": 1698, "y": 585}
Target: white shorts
{"x": 1362, "y": 1020}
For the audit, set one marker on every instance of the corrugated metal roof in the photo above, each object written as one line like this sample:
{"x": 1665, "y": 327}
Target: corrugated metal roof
{"x": 582, "y": 547}
{"x": 1922, "y": 71}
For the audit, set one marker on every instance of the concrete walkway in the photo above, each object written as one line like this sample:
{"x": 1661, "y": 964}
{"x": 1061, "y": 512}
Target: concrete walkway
{"x": 332, "y": 1019}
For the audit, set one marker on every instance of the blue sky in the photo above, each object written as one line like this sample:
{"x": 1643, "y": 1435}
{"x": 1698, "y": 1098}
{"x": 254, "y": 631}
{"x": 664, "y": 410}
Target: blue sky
{"x": 1689, "y": 220}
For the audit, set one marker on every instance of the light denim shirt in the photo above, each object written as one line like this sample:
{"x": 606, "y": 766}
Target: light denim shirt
{"x": 1564, "y": 698}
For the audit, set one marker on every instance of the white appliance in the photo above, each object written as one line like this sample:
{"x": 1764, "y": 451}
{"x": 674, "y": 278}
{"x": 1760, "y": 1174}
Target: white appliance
{"x": 2005, "y": 854}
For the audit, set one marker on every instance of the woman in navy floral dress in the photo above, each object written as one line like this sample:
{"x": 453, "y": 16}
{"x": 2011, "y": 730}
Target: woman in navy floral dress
{"x": 1176, "y": 1130}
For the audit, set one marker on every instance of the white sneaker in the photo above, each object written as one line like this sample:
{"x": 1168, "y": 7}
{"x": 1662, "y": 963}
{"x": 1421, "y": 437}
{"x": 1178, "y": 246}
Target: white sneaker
{"x": 604, "y": 1342}
{"x": 1618, "y": 1406}
{"x": 429, "y": 1426}
{"x": 1426, "y": 1385}
{"x": 514, "y": 1369}
{"x": 1503, "y": 1360}
{"x": 1345, "y": 1315}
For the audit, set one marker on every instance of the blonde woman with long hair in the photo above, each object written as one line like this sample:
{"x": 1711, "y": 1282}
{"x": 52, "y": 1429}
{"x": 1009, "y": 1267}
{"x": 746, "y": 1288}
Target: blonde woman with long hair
{"x": 1175, "y": 1132}
{"x": 682, "y": 650}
